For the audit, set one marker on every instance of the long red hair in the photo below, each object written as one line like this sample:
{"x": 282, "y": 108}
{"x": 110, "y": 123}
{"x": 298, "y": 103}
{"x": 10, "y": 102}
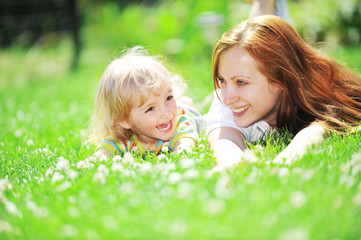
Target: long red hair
{"x": 315, "y": 88}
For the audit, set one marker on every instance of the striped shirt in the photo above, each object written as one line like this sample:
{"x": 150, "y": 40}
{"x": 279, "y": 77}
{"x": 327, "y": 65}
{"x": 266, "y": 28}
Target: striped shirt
{"x": 185, "y": 127}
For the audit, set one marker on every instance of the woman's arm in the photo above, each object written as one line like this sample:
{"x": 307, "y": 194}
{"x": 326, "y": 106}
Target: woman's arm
{"x": 308, "y": 136}
{"x": 227, "y": 144}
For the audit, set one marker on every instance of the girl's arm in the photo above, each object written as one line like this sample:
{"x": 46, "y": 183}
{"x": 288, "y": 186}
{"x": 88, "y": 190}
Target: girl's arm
{"x": 184, "y": 144}
{"x": 308, "y": 136}
{"x": 227, "y": 144}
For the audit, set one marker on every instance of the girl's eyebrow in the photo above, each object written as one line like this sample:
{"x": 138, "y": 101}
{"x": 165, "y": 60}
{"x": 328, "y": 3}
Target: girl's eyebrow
{"x": 145, "y": 106}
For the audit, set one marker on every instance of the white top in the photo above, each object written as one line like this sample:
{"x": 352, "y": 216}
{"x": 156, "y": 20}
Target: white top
{"x": 220, "y": 115}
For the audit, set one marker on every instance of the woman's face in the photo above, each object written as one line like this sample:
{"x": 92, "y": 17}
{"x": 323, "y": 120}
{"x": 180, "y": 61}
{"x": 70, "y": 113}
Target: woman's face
{"x": 245, "y": 90}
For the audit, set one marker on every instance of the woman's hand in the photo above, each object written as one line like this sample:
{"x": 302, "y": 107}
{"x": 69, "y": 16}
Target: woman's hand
{"x": 300, "y": 143}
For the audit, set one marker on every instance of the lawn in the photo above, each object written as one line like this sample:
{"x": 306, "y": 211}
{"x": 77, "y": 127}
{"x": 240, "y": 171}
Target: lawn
{"x": 50, "y": 187}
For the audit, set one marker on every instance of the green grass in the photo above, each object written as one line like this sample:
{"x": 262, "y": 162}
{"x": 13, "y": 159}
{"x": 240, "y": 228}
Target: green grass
{"x": 44, "y": 113}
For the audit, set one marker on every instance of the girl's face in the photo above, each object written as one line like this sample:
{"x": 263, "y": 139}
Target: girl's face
{"x": 155, "y": 119}
{"x": 245, "y": 90}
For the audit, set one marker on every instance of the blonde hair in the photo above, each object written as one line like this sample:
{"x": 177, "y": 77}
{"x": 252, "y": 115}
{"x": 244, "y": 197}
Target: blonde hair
{"x": 135, "y": 72}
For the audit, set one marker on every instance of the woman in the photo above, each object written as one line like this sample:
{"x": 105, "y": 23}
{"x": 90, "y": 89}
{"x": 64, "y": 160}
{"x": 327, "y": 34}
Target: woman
{"x": 267, "y": 77}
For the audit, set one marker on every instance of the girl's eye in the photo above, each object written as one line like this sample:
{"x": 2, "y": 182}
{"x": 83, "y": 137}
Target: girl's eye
{"x": 170, "y": 97}
{"x": 149, "y": 109}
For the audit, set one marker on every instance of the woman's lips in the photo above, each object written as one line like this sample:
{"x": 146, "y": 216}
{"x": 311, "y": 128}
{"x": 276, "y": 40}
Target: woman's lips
{"x": 238, "y": 112}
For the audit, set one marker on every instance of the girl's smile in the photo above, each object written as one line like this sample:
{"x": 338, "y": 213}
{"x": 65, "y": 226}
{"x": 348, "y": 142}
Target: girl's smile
{"x": 153, "y": 120}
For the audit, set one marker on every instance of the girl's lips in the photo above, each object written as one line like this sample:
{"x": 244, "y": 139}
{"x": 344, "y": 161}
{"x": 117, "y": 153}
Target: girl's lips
{"x": 239, "y": 112}
{"x": 165, "y": 127}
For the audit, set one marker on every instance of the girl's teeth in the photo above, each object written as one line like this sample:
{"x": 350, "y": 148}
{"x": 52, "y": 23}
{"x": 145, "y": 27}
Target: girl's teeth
{"x": 164, "y": 126}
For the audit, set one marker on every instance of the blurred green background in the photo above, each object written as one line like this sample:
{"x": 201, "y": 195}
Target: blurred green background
{"x": 176, "y": 29}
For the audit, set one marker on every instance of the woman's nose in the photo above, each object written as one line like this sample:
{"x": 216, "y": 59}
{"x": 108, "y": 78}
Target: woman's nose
{"x": 229, "y": 95}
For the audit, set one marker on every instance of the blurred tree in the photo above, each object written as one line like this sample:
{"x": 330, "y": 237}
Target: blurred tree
{"x": 25, "y": 22}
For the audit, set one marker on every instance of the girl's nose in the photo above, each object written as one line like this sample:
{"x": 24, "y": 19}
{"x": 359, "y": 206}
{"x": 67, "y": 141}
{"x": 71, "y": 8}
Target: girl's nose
{"x": 229, "y": 95}
{"x": 166, "y": 113}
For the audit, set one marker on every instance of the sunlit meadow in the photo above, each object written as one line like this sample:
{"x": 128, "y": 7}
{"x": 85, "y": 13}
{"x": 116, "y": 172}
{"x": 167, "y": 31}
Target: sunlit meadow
{"x": 51, "y": 187}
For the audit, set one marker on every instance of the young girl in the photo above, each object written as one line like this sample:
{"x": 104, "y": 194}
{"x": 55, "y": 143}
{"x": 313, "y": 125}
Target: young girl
{"x": 136, "y": 109}
{"x": 267, "y": 77}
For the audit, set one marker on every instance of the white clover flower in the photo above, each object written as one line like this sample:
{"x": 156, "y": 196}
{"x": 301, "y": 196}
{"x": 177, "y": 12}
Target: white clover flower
{"x": 99, "y": 156}
{"x": 49, "y": 172}
{"x": 80, "y": 165}
{"x": 30, "y": 205}
{"x": 5, "y": 226}
{"x": 103, "y": 169}
{"x": 57, "y": 177}
{"x": 214, "y": 206}
{"x": 166, "y": 191}
{"x": 68, "y": 231}
{"x": 30, "y": 142}
{"x": 201, "y": 146}
{"x": 18, "y": 133}
{"x": 308, "y": 174}
{"x": 145, "y": 168}
{"x": 127, "y": 188}
{"x": 62, "y": 164}
{"x": 184, "y": 190}
{"x": 178, "y": 227}
{"x": 61, "y": 139}
{"x": 64, "y": 186}
{"x": 116, "y": 167}
{"x": 117, "y": 158}
{"x": 283, "y": 172}
{"x": 84, "y": 164}
{"x": 165, "y": 148}
{"x": 251, "y": 178}
{"x": 72, "y": 174}
{"x": 191, "y": 174}
{"x": 221, "y": 189}
{"x": 109, "y": 222}
{"x": 41, "y": 179}
{"x": 357, "y": 199}
{"x": 73, "y": 211}
{"x": 39, "y": 212}
{"x": 162, "y": 156}
{"x": 338, "y": 202}
{"x": 5, "y": 184}
{"x": 128, "y": 158}
{"x": 294, "y": 234}
{"x": 91, "y": 234}
{"x": 174, "y": 178}
{"x": 298, "y": 199}
{"x": 347, "y": 180}
{"x": 187, "y": 163}
{"x": 249, "y": 156}
{"x": 99, "y": 177}
{"x": 12, "y": 209}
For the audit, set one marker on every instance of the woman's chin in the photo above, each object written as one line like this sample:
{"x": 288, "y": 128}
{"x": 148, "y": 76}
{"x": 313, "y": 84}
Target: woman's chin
{"x": 242, "y": 123}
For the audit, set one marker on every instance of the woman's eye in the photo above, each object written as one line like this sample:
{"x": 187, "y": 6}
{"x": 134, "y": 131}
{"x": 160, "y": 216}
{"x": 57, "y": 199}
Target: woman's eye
{"x": 170, "y": 97}
{"x": 221, "y": 81}
{"x": 240, "y": 82}
{"x": 149, "y": 109}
